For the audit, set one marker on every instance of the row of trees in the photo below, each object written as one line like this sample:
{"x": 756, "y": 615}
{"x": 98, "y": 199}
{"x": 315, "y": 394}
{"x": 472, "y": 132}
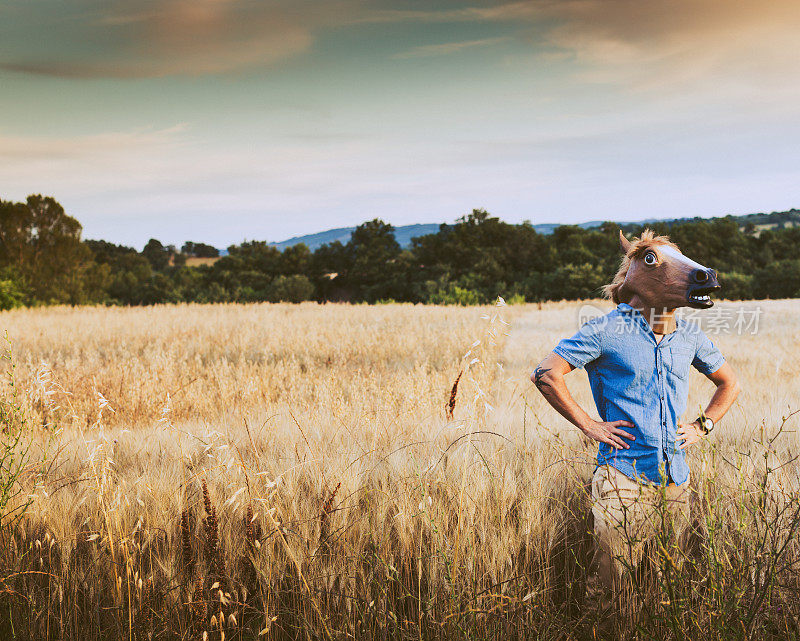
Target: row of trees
{"x": 44, "y": 261}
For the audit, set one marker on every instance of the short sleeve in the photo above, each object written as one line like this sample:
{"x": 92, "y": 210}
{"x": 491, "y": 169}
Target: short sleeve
{"x": 707, "y": 359}
{"x": 582, "y": 348}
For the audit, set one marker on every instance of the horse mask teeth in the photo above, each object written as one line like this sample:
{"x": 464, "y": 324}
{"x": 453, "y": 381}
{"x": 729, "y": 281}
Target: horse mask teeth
{"x": 655, "y": 271}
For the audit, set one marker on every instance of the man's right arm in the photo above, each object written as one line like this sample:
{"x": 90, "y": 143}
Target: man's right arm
{"x": 549, "y": 380}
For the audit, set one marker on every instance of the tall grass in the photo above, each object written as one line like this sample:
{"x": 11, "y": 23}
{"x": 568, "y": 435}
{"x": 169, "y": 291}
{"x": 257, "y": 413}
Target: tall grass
{"x": 15, "y": 443}
{"x": 278, "y": 471}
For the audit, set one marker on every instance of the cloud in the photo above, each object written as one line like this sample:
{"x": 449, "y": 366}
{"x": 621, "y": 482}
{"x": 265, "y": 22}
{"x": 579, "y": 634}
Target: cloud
{"x": 16, "y": 149}
{"x": 705, "y": 36}
{"x": 497, "y": 12}
{"x": 622, "y": 41}
{"x": 211, "y": 58}
{"x": 447, "y": 48}
{"x": 644, "y": 43}
{"x": 153, "y": 38}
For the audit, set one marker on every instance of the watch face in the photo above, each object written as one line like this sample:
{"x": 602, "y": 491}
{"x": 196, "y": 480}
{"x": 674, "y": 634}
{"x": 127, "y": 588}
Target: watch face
{"x": 708, "y": 424}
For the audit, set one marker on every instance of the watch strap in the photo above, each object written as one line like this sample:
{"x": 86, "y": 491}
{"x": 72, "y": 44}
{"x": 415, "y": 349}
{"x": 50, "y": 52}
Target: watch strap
{"x": 706, "y": 423}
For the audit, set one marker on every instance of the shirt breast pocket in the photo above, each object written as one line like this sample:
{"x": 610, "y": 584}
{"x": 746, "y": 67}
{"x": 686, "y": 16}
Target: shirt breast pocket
{"x": 679, "y": 360}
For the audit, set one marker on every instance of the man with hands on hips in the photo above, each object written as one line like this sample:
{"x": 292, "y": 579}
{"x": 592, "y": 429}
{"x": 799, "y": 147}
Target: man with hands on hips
{"x": 638, "y": 358}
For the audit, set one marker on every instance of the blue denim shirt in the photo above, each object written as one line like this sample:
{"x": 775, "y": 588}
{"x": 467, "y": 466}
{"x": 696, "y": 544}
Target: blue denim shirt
{"x": 635, "y": 379}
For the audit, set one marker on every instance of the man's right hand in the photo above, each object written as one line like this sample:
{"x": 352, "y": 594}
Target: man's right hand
{"x": 549, "y": 380}
{"x": 610, "y": 433}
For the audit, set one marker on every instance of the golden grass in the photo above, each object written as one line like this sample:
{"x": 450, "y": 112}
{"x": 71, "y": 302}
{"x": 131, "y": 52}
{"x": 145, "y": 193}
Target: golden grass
{"x": 197, "y": 261}
{"x": 342, "y": 500}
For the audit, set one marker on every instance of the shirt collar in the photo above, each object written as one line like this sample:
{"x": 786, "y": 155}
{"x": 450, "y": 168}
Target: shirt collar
{"x": 634, "y": 313}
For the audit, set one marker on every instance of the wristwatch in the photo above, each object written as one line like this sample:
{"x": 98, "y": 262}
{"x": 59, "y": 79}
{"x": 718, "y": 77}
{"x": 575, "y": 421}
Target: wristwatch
{"x": 705, "y": 423}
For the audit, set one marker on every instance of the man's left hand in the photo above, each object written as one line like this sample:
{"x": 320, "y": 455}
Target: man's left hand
{"x": 690, "y": 433}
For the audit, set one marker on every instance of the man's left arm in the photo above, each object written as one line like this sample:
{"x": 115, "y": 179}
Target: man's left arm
{"x": 724, "y": 396}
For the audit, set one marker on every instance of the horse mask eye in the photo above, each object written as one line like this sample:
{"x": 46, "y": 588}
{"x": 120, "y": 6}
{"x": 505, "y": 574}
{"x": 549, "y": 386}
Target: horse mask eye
{"x": 650, "y": 258}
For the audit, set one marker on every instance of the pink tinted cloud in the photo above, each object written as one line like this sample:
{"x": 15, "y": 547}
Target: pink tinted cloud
{"x": 620, "y": 40}
{"x": 144, "y": 38}
{"x": 644, "y": 42}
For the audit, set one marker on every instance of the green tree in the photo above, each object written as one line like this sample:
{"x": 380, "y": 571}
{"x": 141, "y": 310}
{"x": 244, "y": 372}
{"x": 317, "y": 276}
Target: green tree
{"x": 481, "y": 253}
{"x": 156, "y": 254}
{"x": 329, "y": 265}
{"x": 291, "y": 289}
{"x": 295, "y": 260}
{"x": 43, "y": 246}
{"x": 780, "y": 279}
{"x": 577, "y": 281}
{"x": 199, "y": 250}
{"x": 372, "y": 268}
{"x": 736, "y": 286}
{"x": 125, "y": 271}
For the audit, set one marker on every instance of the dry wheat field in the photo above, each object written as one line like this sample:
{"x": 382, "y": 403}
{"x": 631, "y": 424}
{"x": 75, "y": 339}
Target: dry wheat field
{"x": 362, "y": 472}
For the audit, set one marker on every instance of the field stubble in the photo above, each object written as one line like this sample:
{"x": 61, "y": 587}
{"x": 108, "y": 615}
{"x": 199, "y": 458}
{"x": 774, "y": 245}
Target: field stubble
{"x": 295, "y": 471}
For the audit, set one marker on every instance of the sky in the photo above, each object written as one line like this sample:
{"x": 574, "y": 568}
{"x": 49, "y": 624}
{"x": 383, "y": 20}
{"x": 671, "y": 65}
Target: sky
{"x": 223, "y": 120}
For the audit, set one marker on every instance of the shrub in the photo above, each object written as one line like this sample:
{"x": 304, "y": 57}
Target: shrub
{"x": 455, "y": 295}
{"x": 736, "y": 286}
{"x": 291, "y": 289}
{"x": 12, "y": 292}
{"x": 778, "y": 280}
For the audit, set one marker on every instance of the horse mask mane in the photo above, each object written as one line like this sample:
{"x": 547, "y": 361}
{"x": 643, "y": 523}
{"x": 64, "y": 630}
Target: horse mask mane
{"x": 654, "y": 270}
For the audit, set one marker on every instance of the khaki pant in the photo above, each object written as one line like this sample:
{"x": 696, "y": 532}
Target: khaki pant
{"x": 627, "y": 514}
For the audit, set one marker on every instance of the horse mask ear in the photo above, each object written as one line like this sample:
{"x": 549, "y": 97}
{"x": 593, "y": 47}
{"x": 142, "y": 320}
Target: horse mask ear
{"x": 624, "y": 243}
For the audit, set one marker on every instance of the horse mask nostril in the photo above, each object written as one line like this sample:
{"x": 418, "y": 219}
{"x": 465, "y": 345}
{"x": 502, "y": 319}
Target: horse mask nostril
{"x": 700, "y": 275}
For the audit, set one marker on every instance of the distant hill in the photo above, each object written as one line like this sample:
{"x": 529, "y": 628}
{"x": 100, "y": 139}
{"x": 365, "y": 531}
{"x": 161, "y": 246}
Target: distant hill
{"x": 405, "y": 233}
{"x": 756, "y": 222}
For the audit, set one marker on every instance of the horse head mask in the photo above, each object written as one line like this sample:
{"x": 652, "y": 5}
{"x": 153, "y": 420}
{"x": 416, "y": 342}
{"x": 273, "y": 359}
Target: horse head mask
{"x": 654, "y": 271}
